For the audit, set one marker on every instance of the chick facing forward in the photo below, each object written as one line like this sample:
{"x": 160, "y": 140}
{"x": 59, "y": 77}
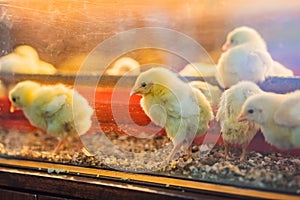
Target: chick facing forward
{"x": 25, "y": 59}
{"x": 246, "y": 35}
{"x": 278, "y": 117}
{"x": 183, "y": 111}
{"x": 233, "y": 131}
{"x": 56, "y": 109}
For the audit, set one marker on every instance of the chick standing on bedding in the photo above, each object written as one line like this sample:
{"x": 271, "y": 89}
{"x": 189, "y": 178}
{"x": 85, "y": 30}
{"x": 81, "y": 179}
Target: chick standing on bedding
{"x": 171, "y": 103}
{"x": 234, "y": 132}
{"x": 277, "y": 115}
{"x": 56, "y": 109}
{"x": 243, "y": 35}
{"x": 25, "y": 59}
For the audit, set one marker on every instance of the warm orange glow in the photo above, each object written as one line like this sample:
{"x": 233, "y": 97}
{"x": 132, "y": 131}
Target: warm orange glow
{"x": 64, "y": 30}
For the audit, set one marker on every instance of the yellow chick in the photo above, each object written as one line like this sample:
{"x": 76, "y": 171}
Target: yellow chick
{"x": 25, "y": 59}
{"x": 246, "y": 35}
{"x": 277, "y": 116}
{"x": 56, "y": 109}
{"x": 234, "y": 132}
{"x": 242, "y": 63}
{"x": 124, "y": 66}
{"x": 183, "y": 111}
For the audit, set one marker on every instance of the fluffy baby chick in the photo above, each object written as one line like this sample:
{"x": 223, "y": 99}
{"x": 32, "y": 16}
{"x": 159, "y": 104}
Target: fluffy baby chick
{"x": 233, "y": 131}
{"x": 171, "y": 103}
{"x": 246, "y": 35}
{"x": 241, "y": 63}
{"x": 124, "y": 65}
{"x": 277, "y": 116}
{"x": 56, "y": 109}
{"x": 25, "y": 59}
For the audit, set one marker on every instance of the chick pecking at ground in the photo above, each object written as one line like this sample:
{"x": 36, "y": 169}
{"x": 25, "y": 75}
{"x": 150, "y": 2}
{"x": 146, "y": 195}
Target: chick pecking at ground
{"x": 56, "y": 109}
{"x": 183, "y": 111}
{"x": 234, "y": 132}
{"x": 277, "y": 115}
{"x": 25, "y": 59}
{"x": 246, "y": 35}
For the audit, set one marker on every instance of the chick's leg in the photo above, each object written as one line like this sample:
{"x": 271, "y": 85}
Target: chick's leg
{"x": 176, "y": 148}
{"x": 244, "y": 152}
{"x": 173, "y": 152}
{"x": 177, "y": 139}
{"x": 226, "y": 146}
{"x": 189, "y": 143}
{"x": 60, "y": 144}
{"x": 80, "y": 147}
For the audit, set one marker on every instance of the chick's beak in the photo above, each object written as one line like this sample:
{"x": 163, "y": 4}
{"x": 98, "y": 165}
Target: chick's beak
{"x": 134, "y": 91}
{"x": 225, "y": 47}
{"x": 140, "y": 90}
{"x": 242, "y": 118}
{"x": 12, "y": 108}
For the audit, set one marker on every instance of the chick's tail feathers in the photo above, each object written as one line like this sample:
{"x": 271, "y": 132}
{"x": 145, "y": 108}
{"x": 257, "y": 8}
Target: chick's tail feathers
{"x": 206, "y": 113}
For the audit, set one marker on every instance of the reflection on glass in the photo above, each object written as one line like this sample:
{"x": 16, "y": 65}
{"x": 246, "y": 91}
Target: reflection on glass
{"x": 101, "y": 48}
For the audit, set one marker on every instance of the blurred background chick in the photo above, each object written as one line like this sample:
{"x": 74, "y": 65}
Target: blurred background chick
{"x": 58, "y": 110}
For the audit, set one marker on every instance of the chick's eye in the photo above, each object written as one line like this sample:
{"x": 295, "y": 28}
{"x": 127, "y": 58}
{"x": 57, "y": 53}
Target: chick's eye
{"x": 143, "y": 84}
{"x": 231, "y": 41}
{"x": 250, "y": 111}
{"x": 14, "y": 99}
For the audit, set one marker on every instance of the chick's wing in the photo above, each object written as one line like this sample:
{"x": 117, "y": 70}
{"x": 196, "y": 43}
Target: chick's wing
{"x": 288, "y": 114}
{"x": 181, "y": 103}
{"x": 53, "y": 106}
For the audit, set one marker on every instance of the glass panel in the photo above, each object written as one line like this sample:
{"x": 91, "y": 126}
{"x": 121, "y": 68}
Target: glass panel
{"x": 104, "y": 50}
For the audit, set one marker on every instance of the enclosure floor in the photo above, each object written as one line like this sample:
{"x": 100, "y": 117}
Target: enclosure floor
{"x": 268, "y": 171}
